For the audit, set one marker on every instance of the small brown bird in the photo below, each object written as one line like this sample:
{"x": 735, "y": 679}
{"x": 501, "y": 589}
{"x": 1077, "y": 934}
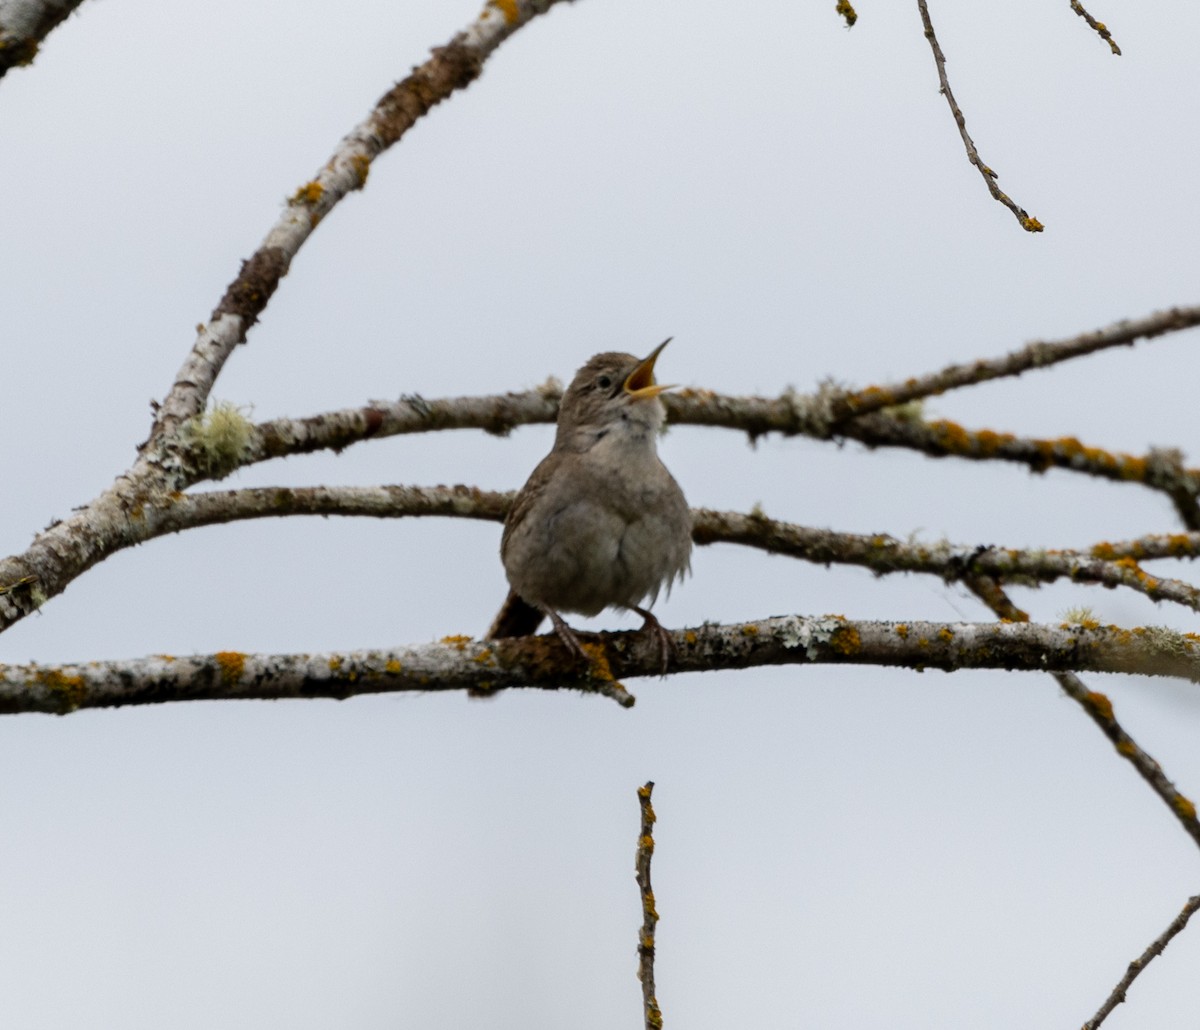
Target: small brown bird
{"x": 601, "y": 523}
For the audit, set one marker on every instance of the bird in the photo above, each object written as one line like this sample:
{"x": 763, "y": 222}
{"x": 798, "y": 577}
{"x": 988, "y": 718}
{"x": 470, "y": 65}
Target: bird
{"x": 600, "y": 523}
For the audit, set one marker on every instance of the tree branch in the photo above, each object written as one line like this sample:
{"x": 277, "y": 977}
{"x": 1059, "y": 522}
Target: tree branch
{"x": 1156, "y": 948}
{"x": 23, "y": 26}
{"x": 645, "y": 853}
{"x": 1100, "y": 710}
{"x": 459, "y": 663}
{"x": 879, "y": 552}
{"x": 1099, "y": 26}
{"x": 449, "y": 68}
{"x": 1039, "y": 354}
{"x": 989, "y": 177}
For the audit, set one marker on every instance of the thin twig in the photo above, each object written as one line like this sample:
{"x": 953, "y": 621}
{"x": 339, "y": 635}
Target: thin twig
{"x": 645, "y": 852}
{"x": 1099, "y": 26}
{"x": 1156, "y": 948}
{"x": 989, "y": 177}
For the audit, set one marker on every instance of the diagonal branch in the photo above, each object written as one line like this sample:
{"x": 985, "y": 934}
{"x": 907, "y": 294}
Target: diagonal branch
{"x": 24, "y": 24}
{"x": 459, "y": 663}
{"x": 449, "y": 68}
{"x": 1039, "y": 354}
{"x": 1100, "y": 710}
{"x": 1099, "y": 26}
{"x": 1136, "y": 967}
{"x": 989, "y": 177}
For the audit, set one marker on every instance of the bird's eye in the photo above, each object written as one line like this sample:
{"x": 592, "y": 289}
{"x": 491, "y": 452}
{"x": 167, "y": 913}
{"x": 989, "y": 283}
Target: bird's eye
{"x": 604, "y": 382}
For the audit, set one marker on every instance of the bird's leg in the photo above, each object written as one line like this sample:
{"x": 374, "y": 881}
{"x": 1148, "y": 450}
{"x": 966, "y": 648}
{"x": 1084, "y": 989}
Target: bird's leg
{"x": 567, "y": 635}
{"x": 666, "y": 646}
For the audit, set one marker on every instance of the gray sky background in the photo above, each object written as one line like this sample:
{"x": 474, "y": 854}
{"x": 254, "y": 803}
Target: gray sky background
{"x": 838, "y": 848}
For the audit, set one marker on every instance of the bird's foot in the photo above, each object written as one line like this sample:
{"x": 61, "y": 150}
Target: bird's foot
{"x": 567, "y": 636}
{"x": 651, "y": 626}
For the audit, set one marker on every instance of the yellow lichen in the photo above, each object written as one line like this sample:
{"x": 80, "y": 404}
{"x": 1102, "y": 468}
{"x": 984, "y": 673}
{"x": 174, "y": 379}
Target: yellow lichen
{"x": 362, "y": 168}
{"x": 69, "y": 690}
{"x": 1100, "y": 704}
{"x": 1184, "y": 806}
{"x": 310, "y": 193}
{"x": 846, "y": 640}
{"x": 1031, "y": 225}
{"x": 902, "y": 631}
{"x": 508, "y": 8}
{"x": 945, "y": 634}
{"x": 690, "y": 636}
{"x": 457, "y": 640}
{"x": 847, "y": 11}
{"x": 231, "y": 665}
{"x": 600, "y": 669}
{"x": 749, "y": 630}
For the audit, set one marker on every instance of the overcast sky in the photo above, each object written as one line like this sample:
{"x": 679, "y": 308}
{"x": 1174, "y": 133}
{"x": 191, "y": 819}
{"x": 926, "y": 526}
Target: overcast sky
{"x": 837, "y": 848}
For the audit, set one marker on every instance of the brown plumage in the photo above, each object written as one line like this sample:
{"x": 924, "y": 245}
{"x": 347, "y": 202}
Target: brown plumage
{"x": 601, "y": 522}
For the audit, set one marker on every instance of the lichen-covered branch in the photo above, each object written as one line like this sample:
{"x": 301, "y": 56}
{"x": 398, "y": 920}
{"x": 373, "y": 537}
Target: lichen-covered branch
{"x": 448, "y": 69}
{"x": 645, "y": 853}
{"x": 1099, "y": 26}
{"x": 1102, "y": 564}
{"x": 1136, "y": 967}
{"x": 871, "y": 416}
{"x": 989, "y": 177}
{"x": 885, "y": 554}
{"x": 171, "y": 458}
{"x": 23, "y": 26}
{"x": 459, "y": 663}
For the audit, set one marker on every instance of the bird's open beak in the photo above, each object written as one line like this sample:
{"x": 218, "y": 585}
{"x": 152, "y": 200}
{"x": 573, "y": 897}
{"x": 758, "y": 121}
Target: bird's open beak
{"x": 641, "y": 385}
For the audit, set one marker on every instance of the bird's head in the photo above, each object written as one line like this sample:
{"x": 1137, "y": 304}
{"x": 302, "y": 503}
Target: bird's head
{"x": 612, "y": 391}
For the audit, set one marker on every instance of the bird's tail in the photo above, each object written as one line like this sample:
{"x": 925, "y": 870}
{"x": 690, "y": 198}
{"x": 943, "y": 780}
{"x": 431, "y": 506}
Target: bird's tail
{"x": 516, "y": 618}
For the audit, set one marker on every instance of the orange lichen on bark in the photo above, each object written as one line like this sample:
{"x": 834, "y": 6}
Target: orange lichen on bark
{"x": 231, "y": 664}
{"x": 1100, "y": 704}
{"x": 846, "y": 640}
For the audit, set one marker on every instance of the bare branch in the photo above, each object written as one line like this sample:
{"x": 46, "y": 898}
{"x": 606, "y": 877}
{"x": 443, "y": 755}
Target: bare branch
{"x": 645, "y": 852}
{"x": 449, "y": 68}
{"x": 989, "y": 177}
{"x": 23, "y": 26}
{"x": 459, "y": 663}
{"x": 1156, "y": 948}
{"x": 1099, "y": 26}
{"x": 1040, "y": 354}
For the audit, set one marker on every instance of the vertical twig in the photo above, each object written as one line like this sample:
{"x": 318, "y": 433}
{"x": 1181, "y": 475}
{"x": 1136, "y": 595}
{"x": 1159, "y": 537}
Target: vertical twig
{"x": 1138, "y": 964}
{"x": 1027, "y": 223}
{"x": 645, "y": 851}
